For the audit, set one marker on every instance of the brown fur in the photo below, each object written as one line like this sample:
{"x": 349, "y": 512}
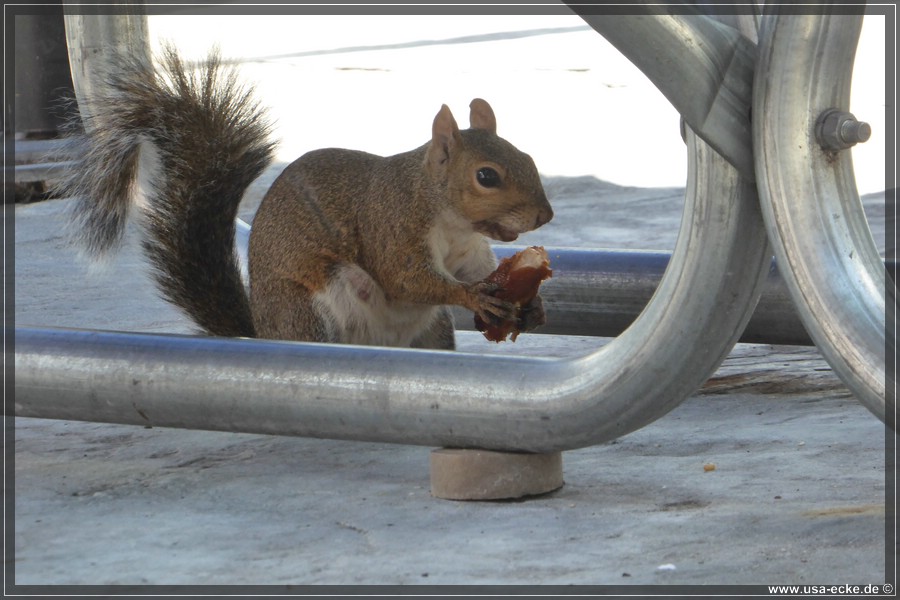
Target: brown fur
{"x": 346, "y": 246}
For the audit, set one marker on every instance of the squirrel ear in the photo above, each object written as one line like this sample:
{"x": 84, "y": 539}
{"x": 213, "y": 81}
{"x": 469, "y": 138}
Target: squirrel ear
{"x": 444, "y": 132}
{"x": 481, "y": 116}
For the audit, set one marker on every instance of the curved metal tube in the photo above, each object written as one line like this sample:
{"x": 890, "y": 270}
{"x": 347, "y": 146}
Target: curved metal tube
{"x": 703, "y": 67}
{"x": 427, "y": 397}
{"x": 437, "y": 398}
{"x": 810, "y": 201}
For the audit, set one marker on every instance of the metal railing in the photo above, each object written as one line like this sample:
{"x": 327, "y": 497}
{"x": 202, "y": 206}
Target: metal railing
{"x": 703, "y": 302}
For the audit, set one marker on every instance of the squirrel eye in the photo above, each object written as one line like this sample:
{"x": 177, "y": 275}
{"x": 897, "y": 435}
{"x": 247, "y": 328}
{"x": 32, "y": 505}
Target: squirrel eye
{"x": 487, "y": 177}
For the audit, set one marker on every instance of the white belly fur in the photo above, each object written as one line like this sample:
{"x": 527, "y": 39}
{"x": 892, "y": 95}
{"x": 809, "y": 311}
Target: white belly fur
{"x": 356, "y": 311}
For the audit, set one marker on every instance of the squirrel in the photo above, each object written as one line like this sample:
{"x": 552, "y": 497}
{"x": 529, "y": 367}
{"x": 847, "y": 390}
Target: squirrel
{"x": 345, "y": 247}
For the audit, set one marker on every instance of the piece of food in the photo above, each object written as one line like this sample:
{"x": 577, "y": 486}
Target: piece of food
{"x": 519, "y": 277}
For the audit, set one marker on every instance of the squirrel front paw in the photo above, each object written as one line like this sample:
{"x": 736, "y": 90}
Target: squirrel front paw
{"x": 531, "y": 315}
{"x": 488, "y": 307}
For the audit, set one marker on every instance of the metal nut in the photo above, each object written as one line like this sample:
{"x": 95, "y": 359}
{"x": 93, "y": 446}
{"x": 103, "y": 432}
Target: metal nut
{"x": 838, "y": 130}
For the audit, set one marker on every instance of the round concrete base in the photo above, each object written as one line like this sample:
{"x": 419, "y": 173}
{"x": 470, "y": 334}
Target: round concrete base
{"x": 489, "y": 475}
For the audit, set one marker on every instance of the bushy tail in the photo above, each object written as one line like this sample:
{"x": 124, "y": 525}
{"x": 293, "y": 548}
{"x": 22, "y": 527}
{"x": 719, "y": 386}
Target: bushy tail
{"x": 185, "y": 146}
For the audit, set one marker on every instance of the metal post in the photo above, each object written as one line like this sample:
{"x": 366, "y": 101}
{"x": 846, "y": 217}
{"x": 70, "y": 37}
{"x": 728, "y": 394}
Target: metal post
{"x": 94, "y": 38}
{"x": 813, "y": 212}
{"x": 703, "y": 67}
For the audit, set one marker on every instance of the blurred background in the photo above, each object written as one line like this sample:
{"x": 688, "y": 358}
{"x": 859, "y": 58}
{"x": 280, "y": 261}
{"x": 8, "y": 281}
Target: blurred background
{"x": 560, "y": 91}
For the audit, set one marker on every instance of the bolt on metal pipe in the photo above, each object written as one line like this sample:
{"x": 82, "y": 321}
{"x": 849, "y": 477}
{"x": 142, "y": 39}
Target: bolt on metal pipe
{"x": 838, "y": 130}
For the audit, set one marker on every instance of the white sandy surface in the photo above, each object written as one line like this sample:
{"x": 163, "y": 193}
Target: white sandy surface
{"x": 569, "y": 99}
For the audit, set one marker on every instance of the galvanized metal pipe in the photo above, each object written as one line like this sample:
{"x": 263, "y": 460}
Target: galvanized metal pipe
{"x": 427, "y": 397}
{"x": 93, "y": 39}
{"x": 42, "y": 171}
{"x": 600, "y": 292}
{"x": 814, "y": 216}
{"x": 703, "y": 67}
{"x": 419, "y": 397}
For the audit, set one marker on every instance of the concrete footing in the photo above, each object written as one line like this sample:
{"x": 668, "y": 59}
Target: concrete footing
{"x": 458, "y": 474}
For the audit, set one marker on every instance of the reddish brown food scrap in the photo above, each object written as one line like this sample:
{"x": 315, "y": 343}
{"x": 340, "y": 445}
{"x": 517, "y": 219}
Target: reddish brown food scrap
{"x": 519, "y": 277}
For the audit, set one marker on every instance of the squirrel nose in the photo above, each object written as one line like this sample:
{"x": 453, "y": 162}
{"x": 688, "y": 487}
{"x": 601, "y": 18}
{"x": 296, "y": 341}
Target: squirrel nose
{"x": 544, "y": 216}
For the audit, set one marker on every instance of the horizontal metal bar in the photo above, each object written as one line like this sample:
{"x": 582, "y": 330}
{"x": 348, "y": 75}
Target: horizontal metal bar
{"x": 42, "y": 171}
{"x": 601, "y": 292}
{"x": 258, "y": 386}
{"x": 36, "y": 151}
{"x": 43, "y": 160}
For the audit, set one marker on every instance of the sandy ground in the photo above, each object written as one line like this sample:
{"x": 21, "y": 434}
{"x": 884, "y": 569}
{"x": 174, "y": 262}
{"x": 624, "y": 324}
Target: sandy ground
{"x": 797, "y": 495}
